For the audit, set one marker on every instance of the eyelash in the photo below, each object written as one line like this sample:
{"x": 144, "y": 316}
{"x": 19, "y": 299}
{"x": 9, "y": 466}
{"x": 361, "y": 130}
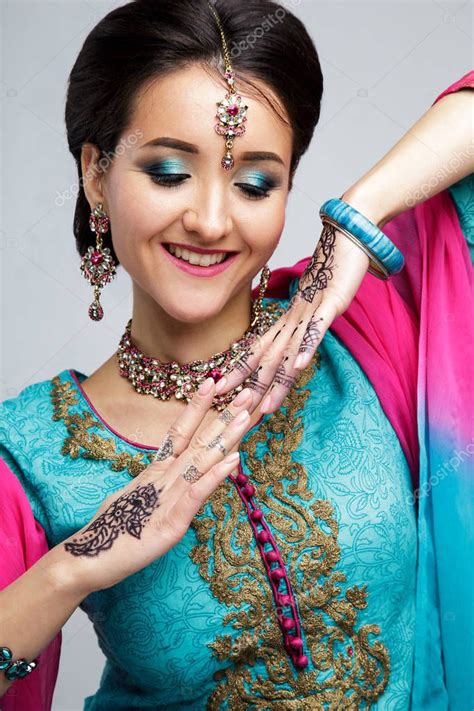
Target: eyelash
{"x": 252, "y": 192}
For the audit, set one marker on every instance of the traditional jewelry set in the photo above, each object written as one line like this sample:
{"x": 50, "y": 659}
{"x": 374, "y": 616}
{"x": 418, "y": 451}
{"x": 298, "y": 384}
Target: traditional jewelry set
{"x": 150, "y": 376}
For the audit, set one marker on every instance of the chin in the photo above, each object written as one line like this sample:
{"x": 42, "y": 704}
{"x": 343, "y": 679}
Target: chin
{"x": 191, "y": 311}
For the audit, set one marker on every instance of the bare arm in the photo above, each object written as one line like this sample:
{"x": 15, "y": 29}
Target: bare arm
{"x": 36, "y": 606}
{"x": 434, "y": 153}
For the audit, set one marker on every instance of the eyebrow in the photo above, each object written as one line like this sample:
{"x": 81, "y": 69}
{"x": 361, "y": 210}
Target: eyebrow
{"x": 192, "y": 148}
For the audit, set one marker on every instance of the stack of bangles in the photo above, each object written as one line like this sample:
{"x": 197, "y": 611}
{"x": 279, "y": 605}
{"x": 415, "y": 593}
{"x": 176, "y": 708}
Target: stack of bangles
{"x": 14, "y": 669}
{"x": 384, "y": 258}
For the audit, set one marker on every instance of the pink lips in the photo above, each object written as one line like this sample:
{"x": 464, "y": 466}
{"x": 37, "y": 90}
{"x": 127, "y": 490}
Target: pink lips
{"x": 195, "y": 270}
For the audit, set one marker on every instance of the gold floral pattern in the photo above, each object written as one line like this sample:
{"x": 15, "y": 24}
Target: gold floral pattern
{"x": 350, "y": 670}
{"x": 89, "y": 445}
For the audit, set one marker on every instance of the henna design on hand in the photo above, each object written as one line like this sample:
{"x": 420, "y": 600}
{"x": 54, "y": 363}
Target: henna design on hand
{"x": 320, "y": 268}
{"x": 127, "y": 514}
{"x": 296, "y": 328}
{"x": 294, "y": 298}
{"x": 255, "y": 384}
{"x": 282, "y": 377}
{"x": 165, "y": 450}
{"x": 191, "y": 473}
{"x": 243, "y": 363}
{"x": 311, "y": 336}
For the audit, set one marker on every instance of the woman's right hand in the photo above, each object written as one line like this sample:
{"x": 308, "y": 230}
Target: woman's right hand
{"x": 141, "y": 522}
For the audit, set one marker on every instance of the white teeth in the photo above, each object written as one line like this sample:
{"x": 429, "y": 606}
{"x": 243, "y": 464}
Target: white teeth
{"x": 201, "y": 260}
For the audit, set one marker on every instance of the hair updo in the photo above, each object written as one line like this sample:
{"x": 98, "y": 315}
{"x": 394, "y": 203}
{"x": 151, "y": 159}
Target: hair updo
{"x": 145, "y": 39}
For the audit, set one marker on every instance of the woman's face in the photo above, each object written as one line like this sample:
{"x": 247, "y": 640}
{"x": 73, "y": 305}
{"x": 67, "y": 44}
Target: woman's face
{"x": 168, "y": 192}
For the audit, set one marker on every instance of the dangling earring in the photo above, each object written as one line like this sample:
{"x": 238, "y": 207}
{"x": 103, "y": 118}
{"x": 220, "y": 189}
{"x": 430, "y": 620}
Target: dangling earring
{"x": 258, "y": 312}
{"x": 97, "y": 264}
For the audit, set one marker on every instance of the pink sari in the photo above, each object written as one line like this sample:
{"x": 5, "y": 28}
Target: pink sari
{"x": 411, "y": 337}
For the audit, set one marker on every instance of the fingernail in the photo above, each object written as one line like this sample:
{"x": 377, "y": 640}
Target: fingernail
{"x": 299, "y": 361}
{"x": 240, "y": 419}
{"x": 266, "y": 404}
{"x": 221, "y": 385}
{"x": 206, "y": 386}
{"x": 231, "y": 458}
{"x": 241, "y": 397}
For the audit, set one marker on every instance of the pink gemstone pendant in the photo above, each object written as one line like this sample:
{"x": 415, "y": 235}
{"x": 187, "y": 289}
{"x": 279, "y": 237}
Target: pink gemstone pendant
{"x": 231, "y": 113}
{"x": 96, "y": 258}
{"x": 227, "y": 162}
{"x": 96, "y": 312}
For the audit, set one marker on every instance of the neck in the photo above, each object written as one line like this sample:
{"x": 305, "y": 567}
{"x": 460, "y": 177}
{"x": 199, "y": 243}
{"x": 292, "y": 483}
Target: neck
{"x": 160, "y": 336}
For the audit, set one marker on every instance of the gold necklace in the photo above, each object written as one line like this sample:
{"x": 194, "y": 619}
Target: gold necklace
{"x": 150, "y": 376}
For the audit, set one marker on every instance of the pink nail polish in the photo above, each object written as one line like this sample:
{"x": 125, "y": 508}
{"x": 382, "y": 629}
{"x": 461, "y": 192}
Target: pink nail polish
{"x": 206, "y": 386}
{"x": 299, "y": 361}
{"x": 243, "y": 417}
{"x": 221, "y": 385}
{"x": 241, "y": 397}
{"x": 266, "y": 404}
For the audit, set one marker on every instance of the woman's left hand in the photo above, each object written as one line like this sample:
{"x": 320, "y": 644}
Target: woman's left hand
{"x": 325, "y": 290}
{"x": 398, "y": 181}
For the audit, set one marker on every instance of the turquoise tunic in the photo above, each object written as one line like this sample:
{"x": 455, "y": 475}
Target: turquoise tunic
{"x": 199, "y": 628}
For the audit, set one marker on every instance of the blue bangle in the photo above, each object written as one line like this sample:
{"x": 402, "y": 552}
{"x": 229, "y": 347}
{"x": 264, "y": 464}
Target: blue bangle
{"x": 385, "y": 258}
{"x": 15, "y": 669}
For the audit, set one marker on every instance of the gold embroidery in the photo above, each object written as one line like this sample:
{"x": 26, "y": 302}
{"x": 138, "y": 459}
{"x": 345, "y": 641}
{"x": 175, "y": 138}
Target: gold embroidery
{"x": 306, "y": 532}
{"x": 350, "y": 668}
{"x": 89, "y": 445}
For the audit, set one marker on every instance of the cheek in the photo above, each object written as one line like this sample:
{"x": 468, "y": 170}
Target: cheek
{"x": 264, "y": 229}
{"x": 136, "y": 215}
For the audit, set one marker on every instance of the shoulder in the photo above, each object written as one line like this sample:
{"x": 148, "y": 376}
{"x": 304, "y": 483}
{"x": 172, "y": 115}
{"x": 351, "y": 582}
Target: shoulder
{"x": 27, "y": 421}
{"x": 29, "y": 440}
{"x": 29, "y": 407}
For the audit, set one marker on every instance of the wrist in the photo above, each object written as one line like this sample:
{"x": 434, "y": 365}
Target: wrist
{"x": 369, "y": 205}
{"x": 64, "y": 575}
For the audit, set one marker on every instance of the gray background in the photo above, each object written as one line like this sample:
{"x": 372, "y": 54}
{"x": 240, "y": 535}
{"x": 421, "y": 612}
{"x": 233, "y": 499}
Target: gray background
{"x": 383, "y": 63}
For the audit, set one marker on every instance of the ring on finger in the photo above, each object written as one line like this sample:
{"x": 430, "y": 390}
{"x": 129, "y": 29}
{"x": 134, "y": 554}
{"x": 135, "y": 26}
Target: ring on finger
{"x": 217, "y": 442}
{"x": 191, "y": 473}
{"x": 165, "y": 450}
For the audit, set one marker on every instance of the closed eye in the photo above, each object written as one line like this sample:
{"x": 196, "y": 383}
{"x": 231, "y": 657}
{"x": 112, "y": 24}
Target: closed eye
{"x": 252, "y": 192}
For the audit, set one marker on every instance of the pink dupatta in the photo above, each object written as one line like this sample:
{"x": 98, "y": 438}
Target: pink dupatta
{"x": 23, "y": 543}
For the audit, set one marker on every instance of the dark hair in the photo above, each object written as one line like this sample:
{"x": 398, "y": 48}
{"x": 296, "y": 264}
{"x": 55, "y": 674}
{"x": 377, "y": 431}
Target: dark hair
{"x": 145, "y": 39}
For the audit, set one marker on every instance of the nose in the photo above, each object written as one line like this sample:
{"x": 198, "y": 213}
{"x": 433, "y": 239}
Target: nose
{"x": 208, "y": 218}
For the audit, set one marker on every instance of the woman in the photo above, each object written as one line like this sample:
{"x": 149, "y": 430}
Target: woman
{"x": 305, "y": 577}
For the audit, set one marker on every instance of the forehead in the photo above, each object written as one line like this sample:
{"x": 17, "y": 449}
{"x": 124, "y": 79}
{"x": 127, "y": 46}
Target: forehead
{"x": 183, "y": 105}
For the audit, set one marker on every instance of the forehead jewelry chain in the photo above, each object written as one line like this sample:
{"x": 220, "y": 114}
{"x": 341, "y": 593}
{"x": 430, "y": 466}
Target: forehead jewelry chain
{"x": 231, "y": 112}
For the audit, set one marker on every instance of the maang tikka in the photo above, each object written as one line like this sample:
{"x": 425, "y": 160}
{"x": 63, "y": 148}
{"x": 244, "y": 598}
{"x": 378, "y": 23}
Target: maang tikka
{"x": 97, "y": 264}
{"x": 230, "y": 110}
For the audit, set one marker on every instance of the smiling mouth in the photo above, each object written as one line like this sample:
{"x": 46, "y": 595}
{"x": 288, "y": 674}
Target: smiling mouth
{"x": 199, "y": 260}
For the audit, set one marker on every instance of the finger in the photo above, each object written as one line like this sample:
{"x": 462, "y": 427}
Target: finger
{"x": 190, "y": 469}
{"x": 312, "y": 338}
{"x": 288, "y": 372}
{"x": 248, "y": 361}
{"x": 262, "y": 361}
{"x": 212, "y": 433}
{"x": 283, "y": 383}
{"x": 210, "y": 455}
{"x": 273, "y": 362}
{"x": 206, "y": 485}
{"x": 183, "y": 428}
